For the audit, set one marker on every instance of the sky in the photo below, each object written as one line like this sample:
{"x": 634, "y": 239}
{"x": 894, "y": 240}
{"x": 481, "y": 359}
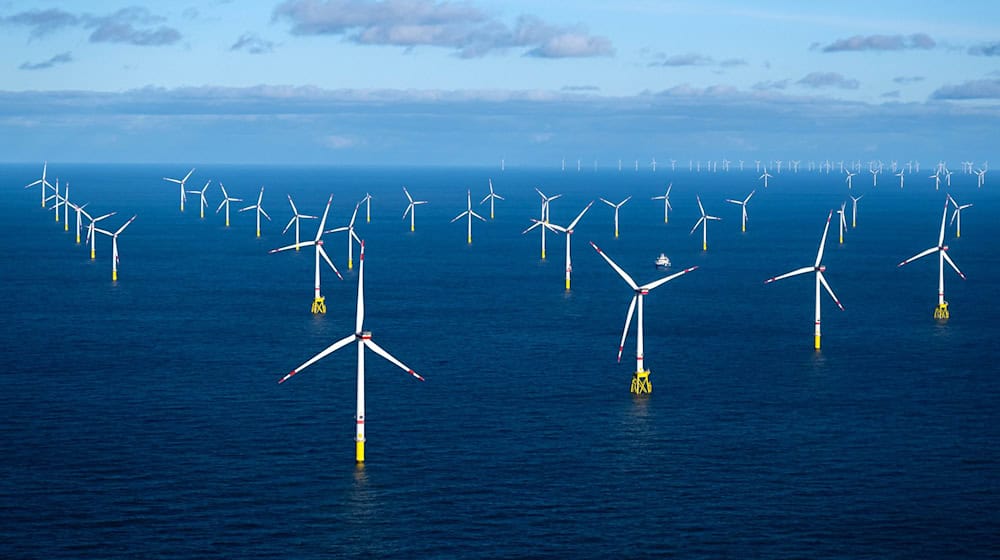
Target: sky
{"x": 473, "y": 82}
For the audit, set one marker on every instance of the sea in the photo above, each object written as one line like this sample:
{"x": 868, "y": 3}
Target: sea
{"x": 143, "y": 418}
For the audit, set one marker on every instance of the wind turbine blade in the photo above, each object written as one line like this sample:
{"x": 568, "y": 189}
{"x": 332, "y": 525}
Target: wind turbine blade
{"x": 125, "y": 225}
{"x": 354, "y": 216}
{"x": 533, "y": 226}
{"x": 459, "y": 216}
{"x": 618, "y": 269}
{"x": 943, "y": 216}
{"x": 696, "y": 224}
{"x": 355, "y": 236}
{"x": 822, "y": 280}
{"x": 322, "y": 253}
{"x": 265, "y": 214}
{"x": 186, "y": 177}
{"x": 749, "y": 196}
{"x": 407, "y": 211}
{"x": 221, "y": 204}
{"x": 700, "y": 207}
{"x": 577, "y": 219}
{"x": 410, "y": 198}
{"x": 322, "y": 221}
{"x": 288, "y": 247}
{"x": 477, "y": 216}
{"x": 359, "y": 318}
{"x": 295, "y": 210}
{"x": 381, "y": 352}
{"x": 795, "y": 272}
{"x": 290, "y": 222}
{"x": 628, "y": 322}
{"x": 822, "y": 243}
{"x": 952, "y": 263}
{"x": 329, "y": 350}
{"x": 108, "y": 215}
{"x": 917, "y": 256}
{"x": 662, "y": 281}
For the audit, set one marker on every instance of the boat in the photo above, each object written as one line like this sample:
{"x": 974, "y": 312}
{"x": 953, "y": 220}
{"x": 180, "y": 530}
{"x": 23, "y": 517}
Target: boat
{"x": 662, "y": 261}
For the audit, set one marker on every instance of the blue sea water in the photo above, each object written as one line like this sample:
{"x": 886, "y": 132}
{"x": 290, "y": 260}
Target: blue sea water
{"x": 143, "y": 418}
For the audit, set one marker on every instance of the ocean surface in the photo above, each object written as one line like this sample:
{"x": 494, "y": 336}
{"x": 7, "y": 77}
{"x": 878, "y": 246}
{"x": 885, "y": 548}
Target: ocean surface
{"x": 142, "y": 418}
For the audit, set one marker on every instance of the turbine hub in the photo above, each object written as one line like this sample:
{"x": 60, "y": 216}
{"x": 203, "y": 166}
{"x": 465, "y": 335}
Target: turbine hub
{"x": 365, "y": 335}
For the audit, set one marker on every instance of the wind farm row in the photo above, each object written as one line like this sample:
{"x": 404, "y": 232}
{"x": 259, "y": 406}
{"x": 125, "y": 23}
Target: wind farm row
{"x": 617, "y": 209}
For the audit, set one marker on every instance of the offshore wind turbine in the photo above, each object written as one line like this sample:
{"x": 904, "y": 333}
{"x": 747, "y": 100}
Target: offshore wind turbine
{"x": 743, "y": 207}
{"x": 43, "y": 182}
{"x": 854, "y": 210}
{"x": 363, "y": 339}
{"x": 820, "y": 279}
{"x": 848, "y": 179}
{"x": 568, "y": 230}
{"x": 491, "y": 197}
{"x": 226, "y": 199}
{"x": 640, "y": 379}
{"x": 412, "y": 208}
{"x": 55, "y": 197}
{"x": 319, "y": 302}
{"x": 367, "y": 201}
{"x": 937, "y": 181}
{"x": 468, "y": 212}
{"x": 296, "y": 218}
{"x": 980, "y": 177}
{"x": 66, "y": 204}
{"x": 616, "y": 207}
{"x": 203, "y": 202}
{"x": 351, "y": 236}
{"x": 91, "y": 234}
{"x": 114, "y": 246}
{"x": 765, "y": 177}
{"x": 258, "y": 210}
{"x": 181, "y": 182}
{"x": 79, "y": 211}
{"x": 666, "y": 202}
{"x": 941, "y": 311}
{"x": 900, "y": 175}
{"x": 874, "y": 173}
{"x": 956, "y": 216}
{"x": 544, "y": 214}
{"x": 842, "y": 220}
{"x": 703, "y": 221}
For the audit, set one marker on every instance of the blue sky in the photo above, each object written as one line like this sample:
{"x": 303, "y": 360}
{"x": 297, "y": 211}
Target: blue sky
{"x": 425, "y": 81}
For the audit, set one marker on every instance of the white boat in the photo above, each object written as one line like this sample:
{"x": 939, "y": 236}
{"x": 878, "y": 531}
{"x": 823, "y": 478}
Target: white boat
{"x": 662, "y": 261}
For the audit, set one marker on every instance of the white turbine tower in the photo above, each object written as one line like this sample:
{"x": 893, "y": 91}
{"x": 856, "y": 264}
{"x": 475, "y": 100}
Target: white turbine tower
{"x": 640, "y": 379}
{"x": 937, "y": 181}
{"x": 854, "y": 210}
{"x": 319, "y": 302}
{"x": 568, "y": 230}
{"x": 225, "y": 202}
{"x": 743, "y": 207}
{"x": 703, "y": 221}
{"x": 616, "y": 207}
{"x": 296, "y": 218}
{"x": 56, "y": 198}
{"x": 203, "y": 202}
{"x": 941, "y": 311}
{"x": 468, "y": 212}
{"x": 114, "y": 246}
{"x": 351, "y": 236}
{"x": 412, "y": 208}
{"x": 666, "y": 202}
{"x": 258, "y": 210}
{"x": 956, "y": 216}
{"x": 820, "y": 279}
{"x": 181, "y": 182}
{"x": 43, "y": 182}
{"x": 363, "y": 339}
{"x": 491, "y": 197}
{"x": 900, "y": 175}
